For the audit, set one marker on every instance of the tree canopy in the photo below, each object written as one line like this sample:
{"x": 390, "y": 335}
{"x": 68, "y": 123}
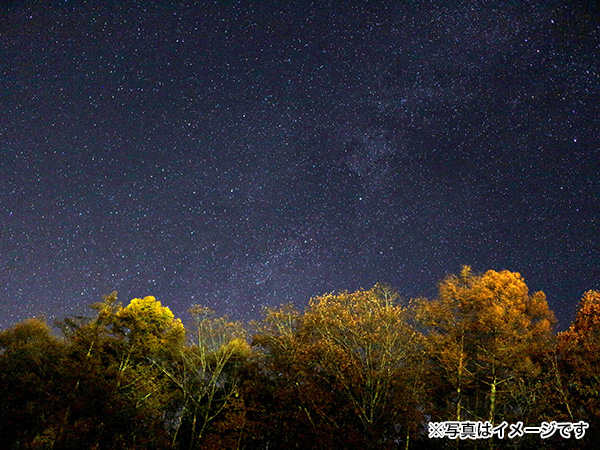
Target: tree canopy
{"x": 362, "y": 369}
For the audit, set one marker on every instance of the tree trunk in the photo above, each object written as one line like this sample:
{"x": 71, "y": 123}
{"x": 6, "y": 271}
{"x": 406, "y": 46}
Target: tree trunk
{"x": 493, "y": 399}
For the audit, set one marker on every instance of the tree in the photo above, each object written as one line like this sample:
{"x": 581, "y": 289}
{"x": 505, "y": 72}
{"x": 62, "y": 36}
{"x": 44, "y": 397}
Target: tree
{"x": 285, "y": 391}
{"x": 206, "y": 375}
{"x": 31, "y": 394}
{"x": 350, "y": 360}
{"x": 487, "y": 338}
{"x": 148, "y": 327}
{"x": 117, "y": 394}
{"x": 579, "y": 359}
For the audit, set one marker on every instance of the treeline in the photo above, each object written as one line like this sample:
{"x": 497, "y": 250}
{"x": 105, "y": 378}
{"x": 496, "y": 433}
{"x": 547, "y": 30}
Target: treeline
{"x": 359, "y": 370}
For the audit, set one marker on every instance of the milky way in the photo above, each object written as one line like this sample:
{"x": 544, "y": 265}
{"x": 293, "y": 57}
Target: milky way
{"x": 246, "y": 154}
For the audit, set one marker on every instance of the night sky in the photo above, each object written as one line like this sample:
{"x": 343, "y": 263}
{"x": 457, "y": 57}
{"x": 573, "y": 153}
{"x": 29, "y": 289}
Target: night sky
{"x": 243, "y": 154}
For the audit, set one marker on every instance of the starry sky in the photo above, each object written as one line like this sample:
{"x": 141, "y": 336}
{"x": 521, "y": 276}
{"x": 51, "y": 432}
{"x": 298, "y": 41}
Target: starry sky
{"x": 242, "y": 154}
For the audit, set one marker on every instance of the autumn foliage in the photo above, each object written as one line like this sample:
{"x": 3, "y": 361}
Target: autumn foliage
{"x": 360, "y": 369}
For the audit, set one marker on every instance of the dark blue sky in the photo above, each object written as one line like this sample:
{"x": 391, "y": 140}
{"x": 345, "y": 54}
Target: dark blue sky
{"x": 241, "y": 154}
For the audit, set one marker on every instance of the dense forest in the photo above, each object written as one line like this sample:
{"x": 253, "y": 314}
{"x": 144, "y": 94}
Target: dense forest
{"x": 354, "y": 370}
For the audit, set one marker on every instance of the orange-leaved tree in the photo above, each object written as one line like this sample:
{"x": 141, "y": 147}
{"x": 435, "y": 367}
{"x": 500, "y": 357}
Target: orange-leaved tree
{"x": 579, "y": 356}
{"x": 350, "y": 361}
{"x": 487, "y": 338}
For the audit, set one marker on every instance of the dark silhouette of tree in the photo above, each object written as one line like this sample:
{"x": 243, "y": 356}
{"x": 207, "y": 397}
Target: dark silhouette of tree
{"x": 31, "y": 388}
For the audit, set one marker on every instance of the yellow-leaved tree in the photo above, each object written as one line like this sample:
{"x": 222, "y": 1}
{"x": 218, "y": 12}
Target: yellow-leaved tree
{"x": 148, "y": 327}
{"x": 114, "y": 358}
